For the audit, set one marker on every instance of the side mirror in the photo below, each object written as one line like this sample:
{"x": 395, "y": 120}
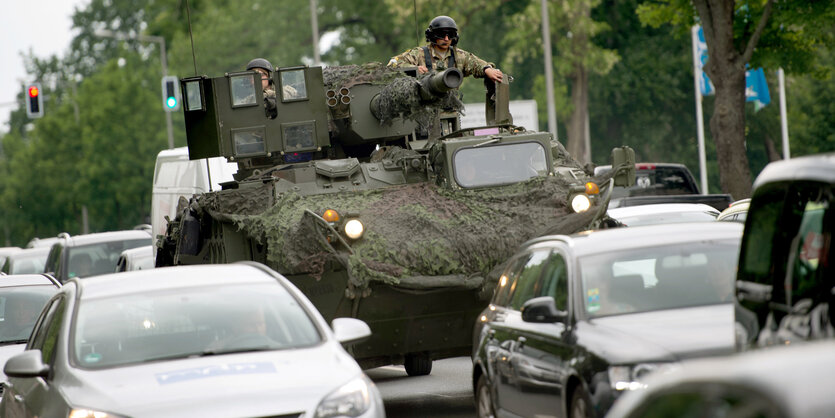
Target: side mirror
{"x": 542, "y": 310}
{"x": 753, "y": 292}
{"x": 26, "y": 364}
{"x": 350, "y": 330}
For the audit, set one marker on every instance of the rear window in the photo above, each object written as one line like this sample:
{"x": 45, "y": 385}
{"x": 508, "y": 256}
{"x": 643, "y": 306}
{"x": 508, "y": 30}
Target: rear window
{"x": 96, "y": 259}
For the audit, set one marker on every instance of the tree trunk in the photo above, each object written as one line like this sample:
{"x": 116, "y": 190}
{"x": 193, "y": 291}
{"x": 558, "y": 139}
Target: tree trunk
{"x": 726, "y": 68}
{"x": 576, "y": 144}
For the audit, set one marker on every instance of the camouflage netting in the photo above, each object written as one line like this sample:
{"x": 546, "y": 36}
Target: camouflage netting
{"x": 412, "y": 231}
{"x": 400, "y": 97}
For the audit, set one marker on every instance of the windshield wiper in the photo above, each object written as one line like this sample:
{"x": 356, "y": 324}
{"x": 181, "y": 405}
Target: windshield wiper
{"x": 14, "y": 342}
{"x": 214, "y": 351}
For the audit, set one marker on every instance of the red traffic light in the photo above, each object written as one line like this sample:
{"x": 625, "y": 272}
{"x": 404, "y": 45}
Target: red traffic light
{"x": 33, "y": 91}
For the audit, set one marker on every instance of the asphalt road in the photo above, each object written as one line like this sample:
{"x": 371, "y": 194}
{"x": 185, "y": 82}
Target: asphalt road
{"x": 445, "y": 393}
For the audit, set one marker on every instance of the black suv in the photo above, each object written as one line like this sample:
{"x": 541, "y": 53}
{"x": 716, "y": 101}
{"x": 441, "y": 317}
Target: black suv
{"x": 576, "y": 321}
{"x": 91, "y": 254}
{"x": 786, "y": 275}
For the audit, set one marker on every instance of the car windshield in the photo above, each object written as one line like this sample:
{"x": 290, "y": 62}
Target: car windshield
{"x": 656, "y": 278}
{"x": 96, "y": 259}
{"x": 188, "y": 322}
{"x": 20, "y": 307}
{"x": 27, "y": 263}
{"x": 499, "y": 164}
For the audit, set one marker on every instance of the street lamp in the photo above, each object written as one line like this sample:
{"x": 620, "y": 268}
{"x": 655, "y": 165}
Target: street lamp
{"x": 105, "y": 33}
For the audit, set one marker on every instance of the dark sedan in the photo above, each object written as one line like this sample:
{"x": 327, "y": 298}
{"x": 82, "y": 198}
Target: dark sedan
{"x": 575, "y": 321}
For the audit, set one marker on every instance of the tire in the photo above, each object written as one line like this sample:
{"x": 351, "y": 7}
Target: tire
{"x": 580, "y": 406}
{"x": 483, "y": 400}
{"x": 418, "y": 364}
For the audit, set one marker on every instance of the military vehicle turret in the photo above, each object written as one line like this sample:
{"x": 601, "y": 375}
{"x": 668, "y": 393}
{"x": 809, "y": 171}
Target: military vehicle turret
{"x": 366, "y": 194}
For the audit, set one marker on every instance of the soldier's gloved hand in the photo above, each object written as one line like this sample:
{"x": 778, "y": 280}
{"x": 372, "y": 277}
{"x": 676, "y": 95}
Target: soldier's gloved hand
{"x": 269, "y": 106}
{"x": 422, "y": 69}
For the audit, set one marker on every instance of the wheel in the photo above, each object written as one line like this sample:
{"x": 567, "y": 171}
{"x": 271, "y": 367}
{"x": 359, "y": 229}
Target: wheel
{"x": 484, "y": 402}
{"x": 418, "y": 364}
{"x": 580, "y": 406}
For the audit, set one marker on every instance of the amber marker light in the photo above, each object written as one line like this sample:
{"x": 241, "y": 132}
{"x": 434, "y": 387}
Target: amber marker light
{"x": 331, "y": 216}
{"x": 591, "y": 188}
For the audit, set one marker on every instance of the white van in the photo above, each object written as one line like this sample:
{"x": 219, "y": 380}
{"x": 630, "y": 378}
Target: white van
{"x": 175, "y": 175}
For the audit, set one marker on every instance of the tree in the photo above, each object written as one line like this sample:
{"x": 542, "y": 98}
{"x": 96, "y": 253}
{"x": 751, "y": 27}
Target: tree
{"x": 760, "y": 32}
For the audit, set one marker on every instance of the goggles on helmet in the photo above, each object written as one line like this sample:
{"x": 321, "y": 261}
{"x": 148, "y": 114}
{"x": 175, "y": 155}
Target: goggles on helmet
{"x": 441, "y": 33}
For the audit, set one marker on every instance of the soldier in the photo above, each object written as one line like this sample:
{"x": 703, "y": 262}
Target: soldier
{"x": 441, "y": 53}
{"x": 265, "y": 69}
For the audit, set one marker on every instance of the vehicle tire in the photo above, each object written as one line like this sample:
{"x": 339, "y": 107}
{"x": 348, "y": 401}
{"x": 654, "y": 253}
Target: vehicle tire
{"x": 483, "y": 400}
{"x": 580, "y": 406}
{"x": 418, "y": 364}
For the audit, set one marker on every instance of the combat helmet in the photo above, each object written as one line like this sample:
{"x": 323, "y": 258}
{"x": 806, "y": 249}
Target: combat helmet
{"x": 260, "y": 63}
{"x": 439, "y": 25}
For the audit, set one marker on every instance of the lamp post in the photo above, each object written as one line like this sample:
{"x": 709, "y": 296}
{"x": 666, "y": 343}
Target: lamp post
{"x": 104, "y": 33}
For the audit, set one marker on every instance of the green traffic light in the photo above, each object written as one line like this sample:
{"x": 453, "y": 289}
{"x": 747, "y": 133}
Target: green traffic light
{"x": 171, "y": 102}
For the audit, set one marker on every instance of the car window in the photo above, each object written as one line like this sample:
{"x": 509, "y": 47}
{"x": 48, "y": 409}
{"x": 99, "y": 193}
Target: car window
{"x": 97, "y": 259}
{"x": 525, "y": 286}
{"x": 659, "y": 277}
{"x": 20, "y": 307}
{"x": 508, "y": 280}
{"x": 554, "y": 281}
{"x": 45, "y": 336}
{"x": 179, "y": 323}
{"x": 709, "y": 400}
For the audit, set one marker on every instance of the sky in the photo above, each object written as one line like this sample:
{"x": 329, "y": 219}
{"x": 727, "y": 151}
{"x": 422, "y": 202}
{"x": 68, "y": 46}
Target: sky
{"x": 40, "y": 25}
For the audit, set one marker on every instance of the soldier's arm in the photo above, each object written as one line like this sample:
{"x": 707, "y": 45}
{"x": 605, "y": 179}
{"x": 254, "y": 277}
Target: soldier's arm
{"x": 471, "y": 65}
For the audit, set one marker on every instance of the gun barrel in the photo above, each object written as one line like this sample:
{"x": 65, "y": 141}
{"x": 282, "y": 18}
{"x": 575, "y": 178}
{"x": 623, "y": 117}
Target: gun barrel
{"x": 438, "y": 84}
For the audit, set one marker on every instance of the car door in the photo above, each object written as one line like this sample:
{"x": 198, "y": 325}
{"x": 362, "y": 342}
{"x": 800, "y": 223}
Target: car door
{"x": 31, "y": 396}
{"x": 512, "y": 389}
{"x": 540, "y": 354}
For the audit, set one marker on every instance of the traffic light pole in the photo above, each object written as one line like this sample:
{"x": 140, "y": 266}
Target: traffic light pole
{"x": 163, "y": 60}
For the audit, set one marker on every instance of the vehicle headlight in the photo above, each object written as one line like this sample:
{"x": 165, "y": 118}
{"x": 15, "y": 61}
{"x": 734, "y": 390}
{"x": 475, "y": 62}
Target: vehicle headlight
{"x": 351, "y": 400}
{"x": 632, "y": 377}
{"x": 354, "y": 229}
{"x": 89, "y": 413}
{"x": 580, "y": 202}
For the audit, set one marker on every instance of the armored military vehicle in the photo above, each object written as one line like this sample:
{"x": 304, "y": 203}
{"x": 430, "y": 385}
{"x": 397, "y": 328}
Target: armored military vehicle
{"x": 363, "y": 191}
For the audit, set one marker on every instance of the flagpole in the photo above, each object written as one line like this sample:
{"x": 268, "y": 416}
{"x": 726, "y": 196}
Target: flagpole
{"x": 700, "y": 129}
{"x": 784, "y": 123}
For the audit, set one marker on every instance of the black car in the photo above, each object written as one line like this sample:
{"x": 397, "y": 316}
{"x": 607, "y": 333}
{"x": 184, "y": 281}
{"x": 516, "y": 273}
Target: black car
{"x": 575, "y": 321}
{"x": 91, "y": 254}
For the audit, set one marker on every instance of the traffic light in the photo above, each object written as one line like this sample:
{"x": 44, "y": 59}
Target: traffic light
{"x": 170, "y": 93}
{"x": 34, "y": 101}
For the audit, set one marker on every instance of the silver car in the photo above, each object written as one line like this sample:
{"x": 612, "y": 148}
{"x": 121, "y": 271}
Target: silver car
{"x": 209, "y": 341}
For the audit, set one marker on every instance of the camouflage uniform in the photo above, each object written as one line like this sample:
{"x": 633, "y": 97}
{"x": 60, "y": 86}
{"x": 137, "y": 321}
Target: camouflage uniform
{"x": 467, "y": 62}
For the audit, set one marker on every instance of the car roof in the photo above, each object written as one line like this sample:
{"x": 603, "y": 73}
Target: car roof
{"x": 143, "y": 251}
{"x": 660, "y": 208}
{"x": 172, "y": 277}
{"x": 30, "y": 251}
{"x": 820, "y": 167}
{"x": 735, "y": 207}
{"x": 615, "y": 239}
{"x": 800, "y": 376}
{"x": 104, "y": 237}
{"x": 15, "y": 280}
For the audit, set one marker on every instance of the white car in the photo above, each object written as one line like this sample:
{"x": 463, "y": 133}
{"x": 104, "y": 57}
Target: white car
{"x": 664, "y": 213}
{"x": 200, "y": 341}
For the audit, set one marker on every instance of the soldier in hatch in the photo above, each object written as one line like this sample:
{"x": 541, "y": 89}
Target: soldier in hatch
{"x": 441, "y": 53}
{"x": 265, "y": 69}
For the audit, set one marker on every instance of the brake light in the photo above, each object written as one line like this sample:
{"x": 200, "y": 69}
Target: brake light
{"x": 645, "y": 166}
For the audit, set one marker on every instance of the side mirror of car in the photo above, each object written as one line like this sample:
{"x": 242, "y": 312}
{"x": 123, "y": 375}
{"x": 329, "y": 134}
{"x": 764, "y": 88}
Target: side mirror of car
{"x": 542, "y": 310}
{"x": 350, "y": 330}
{"x": 756, "y": 293}
{"x": 26, "y": 364}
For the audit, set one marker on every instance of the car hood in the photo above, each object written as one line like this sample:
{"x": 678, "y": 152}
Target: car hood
{"x": 660, "y": 336}
{"x": 246, "y": 384}
{"x": 6, "y": 352}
